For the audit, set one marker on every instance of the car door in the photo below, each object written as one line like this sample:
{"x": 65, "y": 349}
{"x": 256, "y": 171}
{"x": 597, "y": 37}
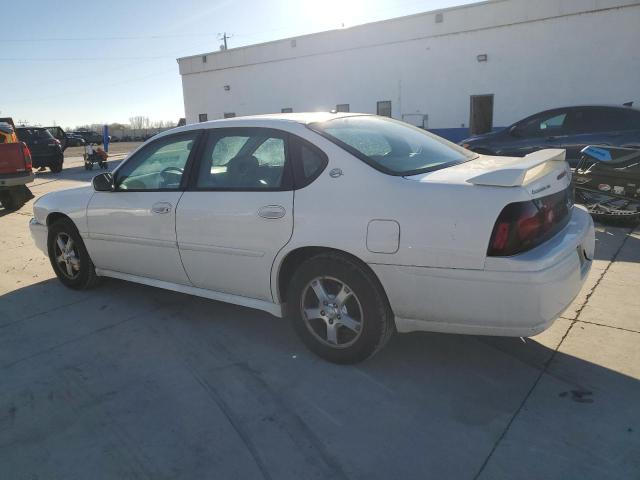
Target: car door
{"x": 132, "y": 229}
{"x": 237, "y": 212}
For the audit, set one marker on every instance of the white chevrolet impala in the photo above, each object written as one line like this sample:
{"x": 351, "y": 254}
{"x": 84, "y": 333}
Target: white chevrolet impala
{"x": 354, "y": 226}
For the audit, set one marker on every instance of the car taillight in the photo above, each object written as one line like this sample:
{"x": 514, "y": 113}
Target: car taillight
{"x": 522, "y": 226}
{"x": 26, "y": 153}
{"x": 53, "y": 141}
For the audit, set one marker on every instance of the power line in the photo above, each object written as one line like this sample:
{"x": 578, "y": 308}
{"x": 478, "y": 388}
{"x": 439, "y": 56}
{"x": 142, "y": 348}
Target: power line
{"x": 94, "y": 88}
{"x": 123, "y": 37}
{"x": 79, "y": 59}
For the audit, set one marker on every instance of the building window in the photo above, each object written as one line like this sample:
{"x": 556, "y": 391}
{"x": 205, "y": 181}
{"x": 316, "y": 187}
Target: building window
{"x": 286, "y": 110}
{"x": 384, "y": 108}
{"x": 204, "y": 59}
{"x": 342, "y": 107}
{"x": 202, "y": 117}
{"x": 229, "y": 114}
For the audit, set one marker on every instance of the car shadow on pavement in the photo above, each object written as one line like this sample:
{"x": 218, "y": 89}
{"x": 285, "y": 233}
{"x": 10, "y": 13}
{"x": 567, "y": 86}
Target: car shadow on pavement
{"x": 610, "y": 238}
{"x": 139, "y": 381}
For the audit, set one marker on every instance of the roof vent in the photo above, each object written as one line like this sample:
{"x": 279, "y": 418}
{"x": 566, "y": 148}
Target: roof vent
{"x": 293, "y": 43}
{"x": 439, "y": 18}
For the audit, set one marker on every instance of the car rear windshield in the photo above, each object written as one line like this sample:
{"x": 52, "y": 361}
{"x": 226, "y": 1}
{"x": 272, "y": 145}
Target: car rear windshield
{"x": 26, "y": 134}
{"x": 390, "y": 146}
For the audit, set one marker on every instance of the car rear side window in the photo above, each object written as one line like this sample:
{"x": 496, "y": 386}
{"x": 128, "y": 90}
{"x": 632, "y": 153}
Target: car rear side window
{"x": 391, "y": 146}
{"x": 308, "y": 161}
{"x": 602, "y": 119}
{"x": 243, "y": 159}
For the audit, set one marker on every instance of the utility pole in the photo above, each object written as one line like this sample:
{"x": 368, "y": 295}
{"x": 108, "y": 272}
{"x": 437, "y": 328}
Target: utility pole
{"x": 224, "y": 37}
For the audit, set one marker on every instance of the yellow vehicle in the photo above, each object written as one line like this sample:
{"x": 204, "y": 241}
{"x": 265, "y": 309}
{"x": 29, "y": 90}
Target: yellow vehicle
{"x": 7, "y": 133}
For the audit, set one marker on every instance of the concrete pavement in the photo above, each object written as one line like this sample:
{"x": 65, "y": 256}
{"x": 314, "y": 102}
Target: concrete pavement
{"x": 127, "y": 381}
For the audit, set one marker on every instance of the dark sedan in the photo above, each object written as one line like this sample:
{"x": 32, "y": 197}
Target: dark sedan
{"x": 571, "y": 128}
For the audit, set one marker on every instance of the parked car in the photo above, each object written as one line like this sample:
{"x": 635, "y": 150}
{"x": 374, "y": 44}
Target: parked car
{"x": 571, "y": 128}
{"x": 46, "y": 151}
{"x": 90, "y": 137}
{"x": 74, "y": 140}
{"x": 393, "y": 229}
{"x": 15, "y": 171}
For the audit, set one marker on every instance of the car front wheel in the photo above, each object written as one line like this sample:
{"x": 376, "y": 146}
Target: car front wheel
{"x": 69, "y": 257}
{"x": 338, "y": 309}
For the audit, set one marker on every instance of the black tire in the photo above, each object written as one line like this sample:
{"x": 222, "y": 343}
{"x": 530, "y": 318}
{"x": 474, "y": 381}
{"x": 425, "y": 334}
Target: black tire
{"x": 85, "y": 276}
{"x": 56, "y": 167}
{"x": 376, "y": 323}
{"x": 10, "y": 200}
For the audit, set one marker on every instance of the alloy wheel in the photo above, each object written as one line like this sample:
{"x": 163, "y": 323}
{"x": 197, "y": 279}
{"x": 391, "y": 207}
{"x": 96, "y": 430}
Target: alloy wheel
{"x": 66, "y": 256}
{"x": 332, "y": 312}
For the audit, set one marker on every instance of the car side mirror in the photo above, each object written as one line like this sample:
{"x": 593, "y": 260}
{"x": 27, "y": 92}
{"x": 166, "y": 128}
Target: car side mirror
{"x": 103, "y": 182}
{"x": 515, "y": 131}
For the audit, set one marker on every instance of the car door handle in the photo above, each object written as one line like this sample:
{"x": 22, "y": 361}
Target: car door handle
{"x": 161, "y": 207}
{"x": 272, "y": 211}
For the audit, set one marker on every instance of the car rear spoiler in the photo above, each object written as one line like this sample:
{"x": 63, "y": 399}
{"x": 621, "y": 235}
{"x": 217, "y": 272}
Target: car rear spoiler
{"x": 522, "y": 171}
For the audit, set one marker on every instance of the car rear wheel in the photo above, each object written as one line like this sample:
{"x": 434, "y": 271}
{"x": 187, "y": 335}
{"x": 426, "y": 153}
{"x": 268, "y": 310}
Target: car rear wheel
{"x": 56, "y": 167}
{"x": 69, "y": 257}
{"x": 338, "y": 309}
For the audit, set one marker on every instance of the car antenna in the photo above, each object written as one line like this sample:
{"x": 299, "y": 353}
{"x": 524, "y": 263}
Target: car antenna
{"x": 628, "y": 104}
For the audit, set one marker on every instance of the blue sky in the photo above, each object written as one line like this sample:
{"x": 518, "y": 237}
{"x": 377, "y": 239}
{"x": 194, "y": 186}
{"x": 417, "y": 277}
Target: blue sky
{"x": 76, "y": 62}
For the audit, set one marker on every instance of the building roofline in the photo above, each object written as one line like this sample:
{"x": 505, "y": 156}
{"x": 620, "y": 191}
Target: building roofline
{"x": 367, "y": 24}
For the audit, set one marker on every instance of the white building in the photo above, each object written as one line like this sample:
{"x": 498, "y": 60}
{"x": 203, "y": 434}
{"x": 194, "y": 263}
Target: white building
{"x": 482, "y": 65}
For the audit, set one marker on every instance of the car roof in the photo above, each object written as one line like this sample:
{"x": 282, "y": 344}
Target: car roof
{"x": 265, "y": 121}
{"x": 268, "y": 120}
{"x": 618, "y": 107}
{"x": 298, "y": 117}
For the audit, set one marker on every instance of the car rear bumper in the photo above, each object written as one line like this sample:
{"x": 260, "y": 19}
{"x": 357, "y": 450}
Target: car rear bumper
{"x": 514, "y": 296}
{"x": 16, "y": 179}
{"x": 39, "y": 234}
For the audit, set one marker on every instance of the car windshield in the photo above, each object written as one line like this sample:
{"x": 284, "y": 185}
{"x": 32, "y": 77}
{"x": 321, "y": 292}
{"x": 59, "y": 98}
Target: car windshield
{"x": 390, "y": 146}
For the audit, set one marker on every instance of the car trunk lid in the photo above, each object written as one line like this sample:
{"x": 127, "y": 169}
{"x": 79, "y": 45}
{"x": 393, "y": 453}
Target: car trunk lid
{"x": 540, "y": 173}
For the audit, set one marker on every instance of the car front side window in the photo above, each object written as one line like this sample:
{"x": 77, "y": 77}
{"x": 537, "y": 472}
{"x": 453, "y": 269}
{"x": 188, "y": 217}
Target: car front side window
{"x": 546, "y": 124}
{"x": 158, "y": 166}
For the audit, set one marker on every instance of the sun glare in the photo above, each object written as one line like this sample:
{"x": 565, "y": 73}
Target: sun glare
{"x": 332, "y": 14}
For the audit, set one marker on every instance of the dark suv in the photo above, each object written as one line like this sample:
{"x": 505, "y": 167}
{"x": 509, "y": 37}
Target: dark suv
{"x": 46, "y": 151}
{"x": 571, "y": 128}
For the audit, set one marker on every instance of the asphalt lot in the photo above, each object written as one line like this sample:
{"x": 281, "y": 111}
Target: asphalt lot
{"x": 128, "y": 381}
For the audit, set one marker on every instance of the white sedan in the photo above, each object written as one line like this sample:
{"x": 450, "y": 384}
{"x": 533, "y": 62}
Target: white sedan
{"x": 354, "y": 226}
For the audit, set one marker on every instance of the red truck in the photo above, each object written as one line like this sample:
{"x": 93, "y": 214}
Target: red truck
{"x": 15, "y": 173}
